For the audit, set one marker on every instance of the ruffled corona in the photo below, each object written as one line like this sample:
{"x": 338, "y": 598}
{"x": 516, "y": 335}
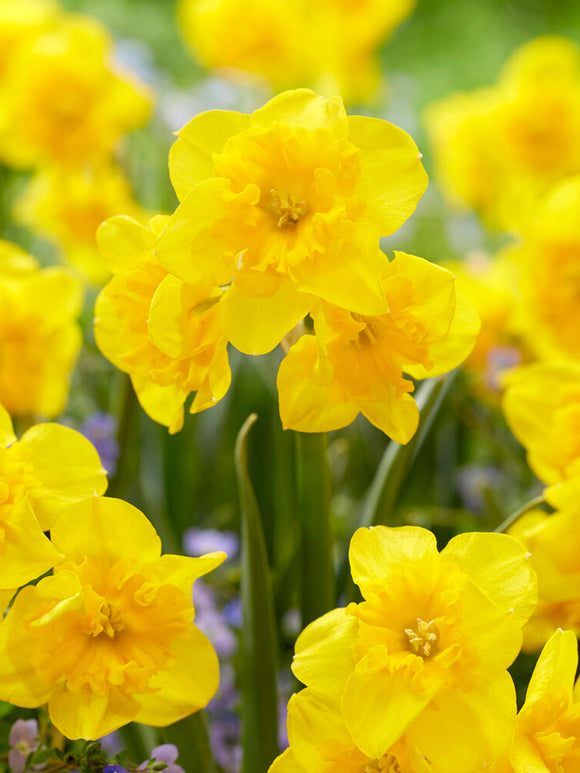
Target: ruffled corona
{"x": 109, "y": 638}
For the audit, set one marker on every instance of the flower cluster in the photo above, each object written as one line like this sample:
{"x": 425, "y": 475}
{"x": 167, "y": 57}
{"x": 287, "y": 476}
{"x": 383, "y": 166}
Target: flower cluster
{"x": 329, "y": 45}
{"x": 280, "y": 217}
{"x": 64, "y": 105}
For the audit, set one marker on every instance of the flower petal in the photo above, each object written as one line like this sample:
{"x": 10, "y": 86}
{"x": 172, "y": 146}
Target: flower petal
{"x": 87, "y": 714}
{"x": 302, "y": 107}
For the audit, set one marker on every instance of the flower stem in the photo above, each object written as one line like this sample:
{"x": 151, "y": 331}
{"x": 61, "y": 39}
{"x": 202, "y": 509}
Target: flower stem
{"x": 511, "y": 519}
{"x": 317, "y": 593}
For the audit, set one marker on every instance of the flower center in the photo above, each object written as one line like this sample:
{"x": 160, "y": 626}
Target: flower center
{"x": 371, "y": 331}
{"x": 386, "y": 764}
{"x": 423, "y": 638}
{"x": 111, "y": 620}
{"x": 287, "y": 211}
{"x": 16, "y": 475}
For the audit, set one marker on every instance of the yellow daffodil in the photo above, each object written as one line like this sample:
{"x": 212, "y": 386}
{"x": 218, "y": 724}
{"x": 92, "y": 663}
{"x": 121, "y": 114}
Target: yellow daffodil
{"x": 549, "y": 261}
{"x": 356, "y": 362}
{"x": 39, "y": 337}
{"x": 329, "y": 45}
{"x": 429, "y": 644}
{"x": 498, "y": 149}
{"x": 164, "y": 333}
{"x": 48, "y": 467}
{"x": 68, "y": 209}
{"x": 64, "y": 101}
{"x": 20, "y": 22}
{"x": 286, "y": 206}
{"x": 547, "y": 738}
{"x": 542, "y": 408}
{"x": 109, "y": 638}
{"x": 554, "y": 544}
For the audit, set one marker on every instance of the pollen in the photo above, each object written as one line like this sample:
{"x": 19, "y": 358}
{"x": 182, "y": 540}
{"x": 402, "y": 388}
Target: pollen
{"x": 288, "y": 212}
{"x": 386, "y": 764}
{"x": 423, "y": 638}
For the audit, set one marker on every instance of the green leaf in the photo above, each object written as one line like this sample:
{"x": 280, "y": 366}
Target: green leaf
{"x": 258, "y": 640}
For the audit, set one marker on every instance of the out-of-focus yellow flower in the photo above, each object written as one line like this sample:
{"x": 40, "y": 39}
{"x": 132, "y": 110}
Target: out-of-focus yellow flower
{"x": 547, "y": 734}
{"x": 164, "y": 333}
{"x": 542, "y": 408}
{"x": 20, "y": 22}
{"x": 320, "y": 741}
{"x": 68, "y": 209}
{"x": 329, "y": 45}
{"x": 554, "y": 544}
{"x": 429, "y": 644}
{"x": 64, "y": 101}
{"x": 286, "y": 206}
{"x": 109, "y": 638}
{"x": 498, "y": 149}
{"x": 356, "y": 362}
{"x": 47, "y": 468}
{"x": 549, "y": 263}
{"x": 492, "y": 286}
{"x": 39, "y": 337}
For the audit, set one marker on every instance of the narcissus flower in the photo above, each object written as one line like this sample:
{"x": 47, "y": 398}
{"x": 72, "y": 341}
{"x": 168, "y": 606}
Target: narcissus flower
{"x": 356, "y": 362}
{"x": 68, "y": 209}
{"x": 428, "y": 645}
{"x": 554, "y": 543}
{"x": 286, "y": 206}
{"x": 547, "y": 738}
{"x": 39, "y": 336}
{"x": 500, "y": 148}
{"x": 109, "y": 638}
{"x": 542, "y": 408}
{"x": 63, "y": 100}
{"x": 328, "y": 45}
{"x": 164, "y": 333}
{"x": 48, "y": 467}
{"x": 319, "y": 739}
{"x": 20, "y": 22}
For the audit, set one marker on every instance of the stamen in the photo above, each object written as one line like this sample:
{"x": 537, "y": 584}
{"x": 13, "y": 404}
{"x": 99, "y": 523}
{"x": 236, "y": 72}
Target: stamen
{"x": 423, "y": 639}
{"x": 289, "y": 213}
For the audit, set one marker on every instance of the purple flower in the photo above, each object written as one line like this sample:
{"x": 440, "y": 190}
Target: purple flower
{"x": 167, "y": 753}
{"x": 101, "y": 430}
{"x": 225, "y": 741}
{"x": 114, "y": 768}
{"x": 24, "y": 739}
{"x": 197, "y": 542}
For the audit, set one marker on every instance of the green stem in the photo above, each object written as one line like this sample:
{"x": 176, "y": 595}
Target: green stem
{"x": 313, "y": 502}
{"x": 139, "y": 740}
{"x": 511, "y": 519}
{"x": 119, "y": 483}
{"x": 191, "y": 737}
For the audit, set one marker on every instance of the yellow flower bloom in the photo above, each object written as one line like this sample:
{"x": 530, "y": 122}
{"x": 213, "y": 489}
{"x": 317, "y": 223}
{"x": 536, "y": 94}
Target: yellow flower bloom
{"x": 64, "y": 101}
{"x": 287, "y": 205}
{"x": 554, "y": 544}
{"x": 548, "y": 729}
{"x": 164, "y": 333}
{"x": 356, "y": 362}
{"x": 68, "y": 209}
{"x": 328, "y": 45}
{"x": 498, "y": 149}
{"x": 109, "y": 638}
{"x": 542, "y": 408}
{"x": 48, "y": 467}
{"x": 549, "y": 261}
{"x": 39, "y": 337}
{"x": 20, "y": 22}
{"x": 428, "y": 645}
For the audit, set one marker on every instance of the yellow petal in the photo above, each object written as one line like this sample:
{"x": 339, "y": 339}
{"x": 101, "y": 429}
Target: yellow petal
{"x": 302, "y": 107}
{"x": 392, "y": 176}
{"x": 323, "y": 658}
{"x": 163, "y": 404}
{"x": 379, "y": 702}
{"x": 122, "y": 241}
{"x": 556, "y": 668}
{"x": 217, "y": 383}
{"x": 500, "y": 566}
{"x": 103, "y": 527}
{"x": 7, "y": 436}
{"x": 257, "y": 324}
{"x": 307, "y": 403}
{"x": 373, "y": 551}
{"x": 286, "y": 763}
{"x": 67, "y": 466}
{"x": 183, "y": 571}
{"x": 190, "y": 158}
{"x": 86, "y": 714}
{"x": 396, "y": 416}
{"x": 186, "y": 687}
